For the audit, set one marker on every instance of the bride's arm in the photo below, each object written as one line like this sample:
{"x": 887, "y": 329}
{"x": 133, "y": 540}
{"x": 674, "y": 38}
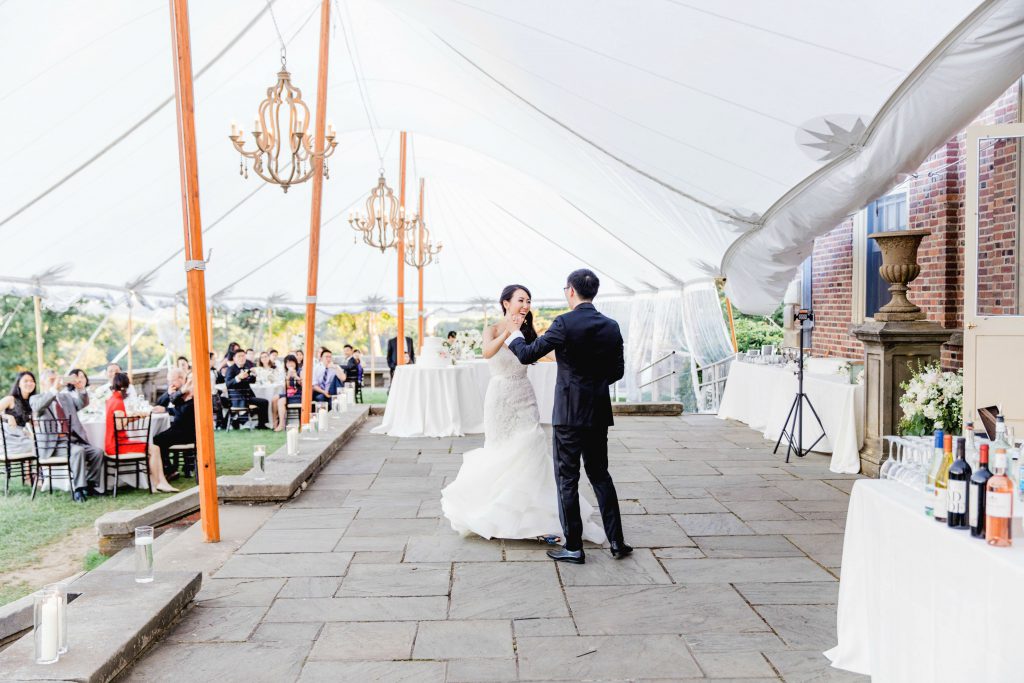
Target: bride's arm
{"x": 492, "y": 341}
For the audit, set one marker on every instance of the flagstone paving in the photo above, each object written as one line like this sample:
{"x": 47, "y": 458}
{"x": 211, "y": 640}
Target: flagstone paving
{"x": 360, "y": 578}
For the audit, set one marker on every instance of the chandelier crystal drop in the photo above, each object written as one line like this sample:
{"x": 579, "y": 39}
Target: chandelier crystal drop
{"x": 282, "y": 126}
{"x": 385, "y": 219}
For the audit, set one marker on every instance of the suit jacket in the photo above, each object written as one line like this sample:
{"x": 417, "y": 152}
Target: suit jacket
{"x": 589, "y": 350}
{"x": 71, "y": 402}
{"x": 244, "y": 386}
{"x": 393, "y": 356}
{"x": 351, "y": 368}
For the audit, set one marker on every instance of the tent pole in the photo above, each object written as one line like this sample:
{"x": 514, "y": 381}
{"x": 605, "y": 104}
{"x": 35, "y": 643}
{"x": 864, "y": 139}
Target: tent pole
{"x": 195, "y": 266}
{"x": 314, "y": 215}
{"x": 131, "y": 332}
{"x": 400, "y": 337}
{"x": 419, "y": 260}
{"x": 732, "y": 325}
{"x": 38, "y": 301}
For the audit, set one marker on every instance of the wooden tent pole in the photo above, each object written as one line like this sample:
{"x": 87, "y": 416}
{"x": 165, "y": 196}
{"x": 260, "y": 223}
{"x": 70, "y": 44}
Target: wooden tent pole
{"x": 400, "y": 337}
{"x": 419, "y": 259}
{"x": 38, "y": 301}
{"x": 195, "y": 267}
{"x": 732, "y": 325}
{"x": 131, "y": 333}
{"x": 314, "y": 214}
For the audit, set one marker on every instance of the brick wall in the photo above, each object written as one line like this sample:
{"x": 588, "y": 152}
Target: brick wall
{"x": 935, "y": 201}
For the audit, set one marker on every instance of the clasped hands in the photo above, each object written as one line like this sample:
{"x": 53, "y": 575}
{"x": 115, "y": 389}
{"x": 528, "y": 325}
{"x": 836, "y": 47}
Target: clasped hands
{"x": 513, "y": 322}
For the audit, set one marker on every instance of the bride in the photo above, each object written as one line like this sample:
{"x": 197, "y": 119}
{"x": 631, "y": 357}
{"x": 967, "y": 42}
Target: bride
{"x": 507, "y": 488}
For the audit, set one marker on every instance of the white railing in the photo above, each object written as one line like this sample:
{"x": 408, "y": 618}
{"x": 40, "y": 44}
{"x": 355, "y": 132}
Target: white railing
{"x": 712, "y": 384}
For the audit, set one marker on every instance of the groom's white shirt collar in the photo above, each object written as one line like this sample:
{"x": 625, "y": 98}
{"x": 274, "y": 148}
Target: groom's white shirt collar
{"x": 512, "y": 337}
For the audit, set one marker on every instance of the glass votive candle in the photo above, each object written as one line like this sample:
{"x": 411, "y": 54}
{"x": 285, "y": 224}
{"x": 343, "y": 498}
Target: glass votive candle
{"x": 321, "y": 418}
{"x": 259, "y": 461}
{"x": 62, "y": 615}
{"x": 292, "y": 440}
{"x": 143, "y": 554}
{"x": 46, "y": 626}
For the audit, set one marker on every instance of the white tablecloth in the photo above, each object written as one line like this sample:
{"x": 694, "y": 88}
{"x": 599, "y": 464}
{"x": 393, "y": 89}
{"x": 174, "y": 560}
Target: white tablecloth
{"x": 761, "y": 396}
{"x": 919, "y": 601}
{"x": 433, "y": 402}
{"x": 542, "y": 376}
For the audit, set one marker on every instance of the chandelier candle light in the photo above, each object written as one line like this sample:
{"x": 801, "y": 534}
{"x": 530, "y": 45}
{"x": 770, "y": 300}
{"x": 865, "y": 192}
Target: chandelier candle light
{"x": 283, "y": 100}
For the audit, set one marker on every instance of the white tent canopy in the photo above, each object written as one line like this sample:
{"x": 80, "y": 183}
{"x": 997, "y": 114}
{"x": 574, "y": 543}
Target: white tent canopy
{"x": 660, "y": 143}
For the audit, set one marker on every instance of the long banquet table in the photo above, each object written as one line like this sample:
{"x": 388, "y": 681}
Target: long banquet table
{"x": 541, "y": 375}
{"x": 919, "y": 601}
{"x": 433, "y": 402}
{"x": 761, "y": 396}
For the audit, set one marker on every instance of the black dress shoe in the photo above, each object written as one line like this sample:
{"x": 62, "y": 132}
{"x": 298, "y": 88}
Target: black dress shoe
{"x": 563, "y": 555}
{"x": 620, "y": 550}
{"x": 79, "y": 496}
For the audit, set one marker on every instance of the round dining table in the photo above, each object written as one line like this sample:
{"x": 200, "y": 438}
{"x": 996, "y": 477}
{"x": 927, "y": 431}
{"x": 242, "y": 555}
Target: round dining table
{"x": 434, "y": 402}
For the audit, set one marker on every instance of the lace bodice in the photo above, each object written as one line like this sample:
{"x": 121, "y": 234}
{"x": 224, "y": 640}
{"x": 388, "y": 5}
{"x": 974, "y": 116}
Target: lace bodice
{"x": 505, "y": 364}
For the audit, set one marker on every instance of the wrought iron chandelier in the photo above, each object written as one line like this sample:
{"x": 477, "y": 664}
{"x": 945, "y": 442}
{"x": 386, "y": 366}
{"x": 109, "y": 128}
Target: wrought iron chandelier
{"x": 420, "y": 250}
{"x": 283, "y": 100}
{"x": 385, "y": 219}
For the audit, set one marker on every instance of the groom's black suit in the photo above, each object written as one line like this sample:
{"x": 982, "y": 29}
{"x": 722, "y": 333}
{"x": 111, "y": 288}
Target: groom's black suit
{"x": 589, "y": 351}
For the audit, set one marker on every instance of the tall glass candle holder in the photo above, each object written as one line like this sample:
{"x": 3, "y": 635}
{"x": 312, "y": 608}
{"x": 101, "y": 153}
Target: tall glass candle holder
{"x": 259, "y": 461}
{"x": 62, "y": 614}
{"x": 143, "y": 554}
{"x": 292, "y": 440}
{"x": 46, "y": 626}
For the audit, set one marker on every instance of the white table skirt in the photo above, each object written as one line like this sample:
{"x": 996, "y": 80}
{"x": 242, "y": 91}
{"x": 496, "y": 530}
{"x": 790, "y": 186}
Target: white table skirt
{"x": 542, "y": 376}
{"x": 433, "y": 402}
{"x": 761, "y": 396}
{"x": 919, "y": 601}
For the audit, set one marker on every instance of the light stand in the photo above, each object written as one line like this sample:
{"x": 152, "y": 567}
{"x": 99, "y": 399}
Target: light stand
{"x": 793, "y": 431}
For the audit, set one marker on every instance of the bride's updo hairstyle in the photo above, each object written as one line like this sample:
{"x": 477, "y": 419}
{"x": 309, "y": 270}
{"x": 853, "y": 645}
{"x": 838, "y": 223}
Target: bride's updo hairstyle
{"x": 527, "y": 329}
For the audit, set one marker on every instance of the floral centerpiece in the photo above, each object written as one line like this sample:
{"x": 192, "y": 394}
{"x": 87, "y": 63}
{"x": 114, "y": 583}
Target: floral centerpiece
{"x": 932, "y": 400}
{"x": 466, "y": 346}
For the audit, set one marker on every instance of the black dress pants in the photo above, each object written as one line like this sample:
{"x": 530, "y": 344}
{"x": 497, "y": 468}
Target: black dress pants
{"x": 590, "y": 444}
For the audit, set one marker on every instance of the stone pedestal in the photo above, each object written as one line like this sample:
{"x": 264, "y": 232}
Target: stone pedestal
{"x": 890, "y": 348}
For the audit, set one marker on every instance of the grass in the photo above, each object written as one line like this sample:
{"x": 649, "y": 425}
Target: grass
{"x": 27, "y": 526}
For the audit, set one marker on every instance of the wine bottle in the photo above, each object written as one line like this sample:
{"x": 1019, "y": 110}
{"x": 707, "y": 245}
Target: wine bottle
{"x": 999, "y": 503}
{"x": 976, "y": 493}
{"x": 972, "y": 446}
{"x": 942, "y": 478}
{"x": 956, "y": 490}
{"x": 933, "y": 470}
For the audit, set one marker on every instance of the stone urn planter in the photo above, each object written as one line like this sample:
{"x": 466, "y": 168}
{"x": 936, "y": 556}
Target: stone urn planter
{"x": 899, "y": 268}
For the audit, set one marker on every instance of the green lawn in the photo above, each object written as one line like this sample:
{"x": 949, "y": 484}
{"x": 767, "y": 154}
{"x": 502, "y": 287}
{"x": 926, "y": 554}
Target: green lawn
{"x": 28, "y": 525}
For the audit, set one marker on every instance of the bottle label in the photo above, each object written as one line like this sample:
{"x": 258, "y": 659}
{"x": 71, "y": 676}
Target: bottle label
{"x": 999, "y": 504}
{"x": 956, "y": 497}
{"x": 940, "y": 503}
{"x": 972, "y": 504}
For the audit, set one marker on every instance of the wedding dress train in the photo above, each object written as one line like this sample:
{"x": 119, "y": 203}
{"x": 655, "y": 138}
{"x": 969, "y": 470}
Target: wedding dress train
{"x": 507, "y": 488}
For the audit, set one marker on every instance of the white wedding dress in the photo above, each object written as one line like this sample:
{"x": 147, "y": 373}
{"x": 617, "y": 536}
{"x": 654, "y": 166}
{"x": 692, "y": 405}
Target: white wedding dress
{"x": 507, "y": 488}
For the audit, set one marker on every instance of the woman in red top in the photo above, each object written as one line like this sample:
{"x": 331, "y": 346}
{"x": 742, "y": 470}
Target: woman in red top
{"x": 124, "y": 445}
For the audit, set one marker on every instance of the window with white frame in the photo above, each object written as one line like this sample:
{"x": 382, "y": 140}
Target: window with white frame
{"x": 886, "y": 214}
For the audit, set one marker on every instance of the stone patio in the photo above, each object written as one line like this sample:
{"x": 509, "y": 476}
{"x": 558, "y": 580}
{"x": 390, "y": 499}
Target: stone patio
{"x": 359, "y": 578}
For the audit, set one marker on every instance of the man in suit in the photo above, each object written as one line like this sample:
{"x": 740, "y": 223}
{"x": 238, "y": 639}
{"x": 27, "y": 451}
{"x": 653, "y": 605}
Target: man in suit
{"x": 351, "y": 364}
{"x": 393, "y": 353}
{"x": 239, "y": 381}
{"x": 86, "y": 461}
{"x": 588, "y": 346}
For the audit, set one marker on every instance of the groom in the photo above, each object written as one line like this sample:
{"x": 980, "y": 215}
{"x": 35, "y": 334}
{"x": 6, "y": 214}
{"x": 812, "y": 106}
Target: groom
{"x": 589, "y": 352}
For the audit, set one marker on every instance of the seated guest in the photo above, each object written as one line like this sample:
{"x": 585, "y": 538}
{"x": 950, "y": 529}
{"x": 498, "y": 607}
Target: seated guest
{"x": 410, "y": 354}
{"x": 78, "y": 379}
{"x": 117, "y": 443}
{"x": 230, "y": 355}
{"x": 357, "y": 357}
{"x": 349, "y": 366}
{"x": 239, "y": 381}
{"x": 273, "y": 357}
{"x": 300, "y": 356}
{"x": 327, "y": 377}
{"x": 183, "y": 364}
{"x": 452, "y": 336}
{"x": 16, "y": 416}
{"x": 250, "y": 358}
{"x": 175, "y": 380}
{"x": 267, "y": 371}
{"x": 108, "y": 388}
{"x": 292, "y": 393}
{"x": 183, "y": 424}
{"x": 85, "y": 461}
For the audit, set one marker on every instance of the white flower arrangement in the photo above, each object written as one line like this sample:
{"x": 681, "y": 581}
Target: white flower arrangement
{"x": 932, "y": 400}
{"x": 466, "y": 345}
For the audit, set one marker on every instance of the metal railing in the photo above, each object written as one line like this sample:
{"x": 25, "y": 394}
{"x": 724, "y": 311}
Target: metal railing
{"x": 712, "y": 382}
{"x": 648, "y": 367}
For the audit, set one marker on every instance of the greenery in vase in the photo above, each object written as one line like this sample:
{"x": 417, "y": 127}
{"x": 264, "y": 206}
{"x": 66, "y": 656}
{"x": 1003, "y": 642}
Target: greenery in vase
{"x": 932, "y": 399}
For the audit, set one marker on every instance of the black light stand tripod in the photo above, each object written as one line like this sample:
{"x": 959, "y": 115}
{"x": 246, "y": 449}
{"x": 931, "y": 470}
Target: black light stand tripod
{"x": 793, "y": 431}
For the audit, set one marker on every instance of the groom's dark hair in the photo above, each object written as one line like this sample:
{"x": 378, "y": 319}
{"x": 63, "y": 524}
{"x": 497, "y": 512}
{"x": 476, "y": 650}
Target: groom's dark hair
{"x": 584, "y": 282}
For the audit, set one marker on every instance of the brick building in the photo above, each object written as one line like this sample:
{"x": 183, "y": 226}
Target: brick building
{"x": 843, "y": 271}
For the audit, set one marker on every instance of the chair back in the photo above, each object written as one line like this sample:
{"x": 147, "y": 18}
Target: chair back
{"x": 130, "y": 428}
{"x": 52, "y": 435}
{"x": 239, "y": 398}
{"x": 4, "y": 452}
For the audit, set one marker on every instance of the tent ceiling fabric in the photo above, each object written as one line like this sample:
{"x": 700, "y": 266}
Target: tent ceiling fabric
{"x": 658, "y": 143}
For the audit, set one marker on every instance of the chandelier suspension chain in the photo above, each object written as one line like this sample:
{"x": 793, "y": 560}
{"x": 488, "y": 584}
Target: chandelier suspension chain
{"x": 280, "y": 38}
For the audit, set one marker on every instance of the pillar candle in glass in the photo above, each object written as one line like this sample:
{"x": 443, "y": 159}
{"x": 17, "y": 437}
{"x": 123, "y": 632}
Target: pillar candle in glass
{"x": 62, "y": 615}
{"x": 293, "y": 441}
{"x": 321, "y": 418}
{"x": 259, "y": 461}
{"x": 143, "y": 554}
{"x": 46, "y": 626}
